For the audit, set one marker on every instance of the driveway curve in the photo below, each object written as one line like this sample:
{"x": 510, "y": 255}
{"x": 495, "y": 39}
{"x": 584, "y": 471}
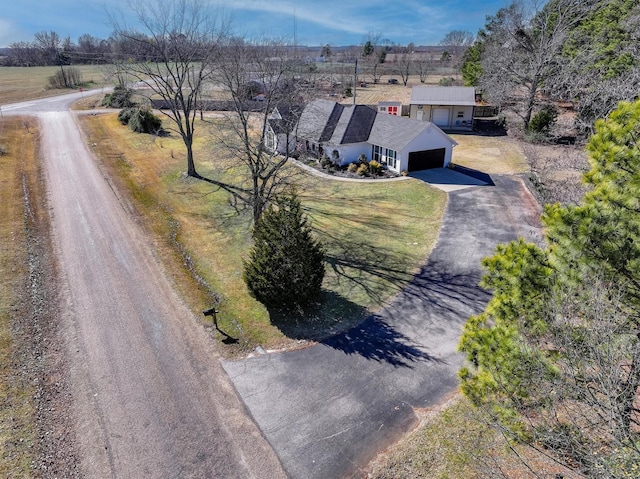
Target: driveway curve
{"x": 330, "y": 408}
{"x": 150, "y": 398}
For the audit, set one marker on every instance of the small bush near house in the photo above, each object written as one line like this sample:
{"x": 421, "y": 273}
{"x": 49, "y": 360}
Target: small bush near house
{"x": 375, "y": 168}
{"x": 286, "y": 264}
{"x": 446, "y": 81}
{"x": 353, "y": 167}
{"x": 363, "y": 169}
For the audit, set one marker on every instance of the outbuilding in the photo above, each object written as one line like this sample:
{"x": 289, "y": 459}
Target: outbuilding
{"x": 450, "y": 108}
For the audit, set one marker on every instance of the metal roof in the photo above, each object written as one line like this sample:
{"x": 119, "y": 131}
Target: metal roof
{"x": 443, "y": 95}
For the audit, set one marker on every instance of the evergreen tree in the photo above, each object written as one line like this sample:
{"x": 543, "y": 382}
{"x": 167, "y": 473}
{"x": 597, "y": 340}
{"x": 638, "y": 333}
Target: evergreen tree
{"x": 555, "y": 357}
{"x": 286, "y": 264}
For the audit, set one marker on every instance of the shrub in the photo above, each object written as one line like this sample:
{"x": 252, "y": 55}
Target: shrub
{"x": 66, "y": 78}
{"x": 325, "y": 162}
{"x": 125, "y": 115}
{"x": 362, "y": 158}
{"x": 140, "y": 120}
{"x": 375, "y": 168}
{"x": 119, "y": 98}
{"x": 3, "y": 150}
{"x": 363, "y": 169}
{"x": 543, "y": 120}
{"x": 286, "y": 264}
{"x": 353, "y": 167}
{"x": 446, "y": 81}
{"x": 144, "y": 121}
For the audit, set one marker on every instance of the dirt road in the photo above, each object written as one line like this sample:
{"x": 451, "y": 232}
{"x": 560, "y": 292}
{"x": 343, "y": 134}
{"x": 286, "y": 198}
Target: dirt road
{"x": 150, "y": 399}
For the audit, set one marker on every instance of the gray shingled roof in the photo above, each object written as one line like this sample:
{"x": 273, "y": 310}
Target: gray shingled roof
{"x": 354, "y": 125}
{"x": 334, "y": 124}
{"x": 395, "y": 132}
{"x": 315, "y": 118}
{"x": 443, "y": 95}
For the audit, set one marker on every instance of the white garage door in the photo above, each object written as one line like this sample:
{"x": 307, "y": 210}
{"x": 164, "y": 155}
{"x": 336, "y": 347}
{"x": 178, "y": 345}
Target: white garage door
{"x": 441, "y": 116}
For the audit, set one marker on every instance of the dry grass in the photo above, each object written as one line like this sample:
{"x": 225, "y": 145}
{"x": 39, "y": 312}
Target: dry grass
{"x": 372, "y": 94}
{"x": 454, "y": 441}
{"x": 19, "y": 168}
{"x": 375, "y": 234}
{"x": 28, "y": 83}
{"x": 489, "y": 154}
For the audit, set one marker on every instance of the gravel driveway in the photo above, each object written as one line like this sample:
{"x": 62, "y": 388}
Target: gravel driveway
{"x": 150, "y": 398}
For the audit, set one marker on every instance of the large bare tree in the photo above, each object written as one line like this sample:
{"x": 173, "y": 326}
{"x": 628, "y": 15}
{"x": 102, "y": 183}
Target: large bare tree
{"x": 260, "y": 77}
{"x": 522, "y": 50}
{"x": 171, "y": 58}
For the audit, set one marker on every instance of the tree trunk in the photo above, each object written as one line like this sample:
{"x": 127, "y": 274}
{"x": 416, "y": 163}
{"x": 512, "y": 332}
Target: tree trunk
{"x": 628, "y": 394}
{"x": 191, "y": 167}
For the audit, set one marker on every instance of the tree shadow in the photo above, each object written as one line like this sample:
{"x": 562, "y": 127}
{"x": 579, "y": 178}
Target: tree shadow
{"x": 372, "y": 338}
{"x": 377, "y": 340}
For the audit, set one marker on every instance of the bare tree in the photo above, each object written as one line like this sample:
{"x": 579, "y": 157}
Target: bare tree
{"x": 374, "y": 52}
{"x": 259, "y": 77}
{"x": 172, "y": 58}
{"x": 457, "y": 41}
{"x": 404, "y": 64}
{"x": 522, "y": 51}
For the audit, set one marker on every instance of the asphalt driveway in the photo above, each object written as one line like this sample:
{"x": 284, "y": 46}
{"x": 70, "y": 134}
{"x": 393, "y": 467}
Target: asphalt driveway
{"x": 329, "y": 409}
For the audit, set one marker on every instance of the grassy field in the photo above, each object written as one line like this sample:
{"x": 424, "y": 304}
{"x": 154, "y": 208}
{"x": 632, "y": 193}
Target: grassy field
{"x": 19, "y": 172}
{"x": 489, "y": 154}
{"x": 27, "y": 83}
{"x": 376, "y": 235}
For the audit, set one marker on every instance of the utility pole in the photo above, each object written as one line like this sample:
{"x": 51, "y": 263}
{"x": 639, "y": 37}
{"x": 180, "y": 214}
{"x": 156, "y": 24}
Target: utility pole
{"x": 355, "y": 81}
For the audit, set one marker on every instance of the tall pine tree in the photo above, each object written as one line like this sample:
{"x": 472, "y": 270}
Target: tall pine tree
{"x": 555, "y": 357}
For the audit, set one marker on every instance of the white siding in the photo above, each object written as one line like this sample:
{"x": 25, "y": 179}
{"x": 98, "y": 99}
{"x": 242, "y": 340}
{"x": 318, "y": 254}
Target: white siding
{"x": 431, "y": 139}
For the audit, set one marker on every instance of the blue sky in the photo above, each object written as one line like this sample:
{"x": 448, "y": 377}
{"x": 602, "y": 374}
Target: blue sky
{"x": 336, "y": 22}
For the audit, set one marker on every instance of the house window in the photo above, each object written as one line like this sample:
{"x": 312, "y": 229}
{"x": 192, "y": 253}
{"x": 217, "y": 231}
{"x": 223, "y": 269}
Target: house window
{"x": 377, "y": 154}
{"x": 460, "y": 114}
{"x": 391, "y": 159}
{"x": 383, "y": 108}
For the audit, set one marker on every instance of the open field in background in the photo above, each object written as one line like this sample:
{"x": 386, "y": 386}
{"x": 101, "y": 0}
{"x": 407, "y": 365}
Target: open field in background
{"x": 376, "y": 235}
{"x": 19, "y": 172}
{"x": 28, "y": 83}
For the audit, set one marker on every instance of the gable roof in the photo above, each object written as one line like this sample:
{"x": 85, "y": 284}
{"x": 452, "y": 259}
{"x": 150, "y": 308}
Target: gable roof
{"x": 443, "y": 95}
{"x": 358, "y": 124}
{"x": 283, "y": 119}
{"x": 396, "y": 132}
{"x": 354, "y": 125}
{"x": 318, "y": 120}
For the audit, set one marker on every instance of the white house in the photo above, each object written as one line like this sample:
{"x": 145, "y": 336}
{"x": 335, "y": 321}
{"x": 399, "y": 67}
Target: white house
{"x": 448, "y": 107}
{"x": 344, "y": 133}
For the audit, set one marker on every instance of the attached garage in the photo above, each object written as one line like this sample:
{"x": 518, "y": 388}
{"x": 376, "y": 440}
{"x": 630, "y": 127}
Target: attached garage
{"x": 426, "y": 159}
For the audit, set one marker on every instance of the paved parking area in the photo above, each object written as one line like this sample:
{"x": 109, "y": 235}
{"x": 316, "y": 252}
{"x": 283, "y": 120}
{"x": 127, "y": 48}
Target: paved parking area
{"x": 448, "y": 179}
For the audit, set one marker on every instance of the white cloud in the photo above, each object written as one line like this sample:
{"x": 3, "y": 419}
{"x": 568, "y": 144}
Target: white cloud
{"x": 10, "y": 33}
